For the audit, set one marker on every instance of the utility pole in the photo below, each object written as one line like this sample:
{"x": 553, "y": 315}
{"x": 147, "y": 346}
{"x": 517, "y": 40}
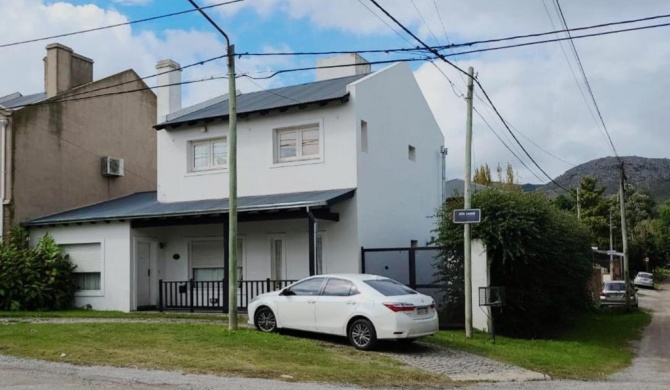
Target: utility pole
{"x": 611, "y": 249}
{"x": 624, "y": 233}
{"x": 579, "y": 206}
{"x": 467, "y": 195}
{"x": 232, "y": 175}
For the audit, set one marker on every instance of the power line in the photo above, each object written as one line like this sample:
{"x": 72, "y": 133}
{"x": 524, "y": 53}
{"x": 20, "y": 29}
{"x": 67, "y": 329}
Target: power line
{"x": 384, "y": 21}
{"x": 424, "y": 21}
{"x": 574, "y": 75}
{"x": 115, "y": 25}
{"x": 586, "y": 80}
{"x": 504, "y": 144}
{"x": 441, "y": 56}
{"x": 480, "y": 42}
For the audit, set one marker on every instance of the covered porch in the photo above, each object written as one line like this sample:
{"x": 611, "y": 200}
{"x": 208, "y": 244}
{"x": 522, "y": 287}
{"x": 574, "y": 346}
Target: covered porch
{"x": 178, "y": 252}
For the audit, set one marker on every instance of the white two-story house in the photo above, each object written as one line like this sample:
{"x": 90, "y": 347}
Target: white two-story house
{"x": 351, "y": 160}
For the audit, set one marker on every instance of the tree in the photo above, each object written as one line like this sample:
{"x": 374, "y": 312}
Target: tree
{"x": 540, "y": 254}
{"x": 483, "y": 175}
{"x": 594, "y": 210}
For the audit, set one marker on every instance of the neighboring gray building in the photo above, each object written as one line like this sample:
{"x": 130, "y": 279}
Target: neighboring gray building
{"x": 454, "y": 188}
{"x": 54, "y": 145}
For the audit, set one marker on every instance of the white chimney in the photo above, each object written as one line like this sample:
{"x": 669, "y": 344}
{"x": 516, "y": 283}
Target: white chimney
{"x": 169, "y": 96}
{"x": 360, "y": 66}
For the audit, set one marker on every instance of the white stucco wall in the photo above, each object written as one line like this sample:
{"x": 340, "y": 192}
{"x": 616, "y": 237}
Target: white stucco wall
{"x": 480, "y": 278}
{"x": 340, "y": 245}
{"x": 397, "y": 197}
{"x": 116, "y": 259}
{"x": 257, "y": 172}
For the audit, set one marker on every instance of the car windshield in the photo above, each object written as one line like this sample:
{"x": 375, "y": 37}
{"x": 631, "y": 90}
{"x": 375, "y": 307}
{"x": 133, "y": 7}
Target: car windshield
{"x": 644, "y": 275}
{"x": 390, "y": 287}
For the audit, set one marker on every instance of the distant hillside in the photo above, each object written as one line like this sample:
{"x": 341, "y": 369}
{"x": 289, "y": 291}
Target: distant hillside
{"x": 651, "y": 174}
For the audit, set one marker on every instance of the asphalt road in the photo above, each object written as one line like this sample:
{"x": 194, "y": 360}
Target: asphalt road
{"x": 649, "y": 371}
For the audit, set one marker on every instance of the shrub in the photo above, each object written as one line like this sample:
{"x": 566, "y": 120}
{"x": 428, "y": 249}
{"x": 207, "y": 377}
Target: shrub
{"x": 540, "y": 254}
{"x": 40, "y": 278}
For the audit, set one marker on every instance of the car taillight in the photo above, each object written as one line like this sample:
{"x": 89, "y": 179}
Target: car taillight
{"x": 396, "y": 307}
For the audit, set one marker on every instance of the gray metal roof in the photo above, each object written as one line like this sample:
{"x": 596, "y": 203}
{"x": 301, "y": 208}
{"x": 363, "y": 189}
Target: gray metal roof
{"x": 145, "y": 205}
{"x": 17, "y": 100}
{"x": 247, "y": 103}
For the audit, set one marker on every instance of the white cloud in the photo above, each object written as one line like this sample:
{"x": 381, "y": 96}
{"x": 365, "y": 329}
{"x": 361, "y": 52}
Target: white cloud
{"x": 133, "y": 2}
{"x": 113, "y": 50}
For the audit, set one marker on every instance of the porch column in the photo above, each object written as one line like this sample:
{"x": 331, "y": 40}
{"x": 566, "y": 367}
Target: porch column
{"x": 311, "y": 227}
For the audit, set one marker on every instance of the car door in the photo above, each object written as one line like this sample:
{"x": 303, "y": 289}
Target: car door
{"x": 295, "y": 308}
{"x": 334, "y": 307}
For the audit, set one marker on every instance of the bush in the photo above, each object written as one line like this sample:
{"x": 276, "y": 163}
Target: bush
{"x": 40, "y": 278}
{"x": 661, "y": 274}
{"x": 540, "y": 254}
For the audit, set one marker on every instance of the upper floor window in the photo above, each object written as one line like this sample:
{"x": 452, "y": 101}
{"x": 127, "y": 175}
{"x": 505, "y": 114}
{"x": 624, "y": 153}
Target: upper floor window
{"x": 210, "y": 154}
{"x": 297, "y": 143}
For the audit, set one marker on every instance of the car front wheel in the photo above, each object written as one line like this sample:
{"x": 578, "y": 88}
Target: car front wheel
{"x": 362, "y": 335}
{"x": 265, "y": 320}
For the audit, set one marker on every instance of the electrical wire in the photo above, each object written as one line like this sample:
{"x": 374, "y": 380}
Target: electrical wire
{"x": 586, "y": 80}
{"x": 441, "y": 56}
{"x": 115, "y": 25}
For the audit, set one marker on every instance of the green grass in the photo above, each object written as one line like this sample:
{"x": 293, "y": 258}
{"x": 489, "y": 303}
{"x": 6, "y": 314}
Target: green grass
{"x": 599, "y": 346}
{"x": 208, "y": 348}
{"x": 109, "y": 314}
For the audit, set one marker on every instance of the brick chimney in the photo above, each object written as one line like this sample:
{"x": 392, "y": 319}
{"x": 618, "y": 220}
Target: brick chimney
{"x": 64, "y": 69}
{"x": 360, "y": 66}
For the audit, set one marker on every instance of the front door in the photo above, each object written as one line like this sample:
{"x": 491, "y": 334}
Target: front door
{"x": 145, "y": 260}
{"x": 297, "y": 310}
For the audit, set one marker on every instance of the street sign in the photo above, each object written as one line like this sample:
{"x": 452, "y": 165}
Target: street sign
{"x": 467, "y": 216}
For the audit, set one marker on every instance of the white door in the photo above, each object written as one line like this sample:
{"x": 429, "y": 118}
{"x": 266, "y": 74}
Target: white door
{"x": 143, "y": 264}
{"x": 335, "y": 306}
{"x": 296, "y": 311}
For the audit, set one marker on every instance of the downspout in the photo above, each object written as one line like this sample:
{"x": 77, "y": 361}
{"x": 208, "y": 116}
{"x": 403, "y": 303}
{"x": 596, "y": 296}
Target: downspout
{"x": 3, "y": 173}
{"x": 443, "y": 184}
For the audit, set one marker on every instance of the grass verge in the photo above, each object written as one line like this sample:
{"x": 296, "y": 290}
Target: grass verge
{"x": 599, "y": 346}
{"x": 109, "y": 314}
{"x": 211, "y": 349}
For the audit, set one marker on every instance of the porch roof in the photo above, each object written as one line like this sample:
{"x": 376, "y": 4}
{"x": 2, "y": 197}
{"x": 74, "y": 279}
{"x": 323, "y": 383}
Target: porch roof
{"x": 145, "y": 205}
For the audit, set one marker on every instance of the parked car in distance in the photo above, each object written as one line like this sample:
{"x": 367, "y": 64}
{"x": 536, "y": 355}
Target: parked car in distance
{"x": 644, "y": 279}
{"x": 614, "y": 294}
{"x": 364, "y": 308}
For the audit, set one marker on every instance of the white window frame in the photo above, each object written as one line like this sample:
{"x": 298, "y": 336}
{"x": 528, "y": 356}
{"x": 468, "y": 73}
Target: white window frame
{"x": 320, "y": 235}
{"x": 299, "y": 159}
{"x": 91, "y": 293}
{"x": 241, "y": 257}
{"x": 210, "y": 164}
{"x": 284, "y": 265}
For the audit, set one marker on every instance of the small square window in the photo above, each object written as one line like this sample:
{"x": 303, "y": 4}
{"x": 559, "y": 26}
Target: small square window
{"x": 297, "y": 143}
{"x": 210, "y": 154}
{"x": 412, "y": 153}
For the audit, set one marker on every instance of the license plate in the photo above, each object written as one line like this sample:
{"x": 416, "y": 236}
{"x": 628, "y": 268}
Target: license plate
{"x": 422, "y": 310}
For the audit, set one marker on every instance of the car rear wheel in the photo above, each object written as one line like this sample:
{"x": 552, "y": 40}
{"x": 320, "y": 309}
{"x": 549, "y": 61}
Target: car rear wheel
{"x": 265, "y": 320}
{"x": 362, "y": 335}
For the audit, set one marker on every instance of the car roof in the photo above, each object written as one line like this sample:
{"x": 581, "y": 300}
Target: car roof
{"x": 360, "y": 277}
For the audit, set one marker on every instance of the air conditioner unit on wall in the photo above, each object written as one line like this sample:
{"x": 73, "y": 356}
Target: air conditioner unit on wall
{"x": 112, "y": 167}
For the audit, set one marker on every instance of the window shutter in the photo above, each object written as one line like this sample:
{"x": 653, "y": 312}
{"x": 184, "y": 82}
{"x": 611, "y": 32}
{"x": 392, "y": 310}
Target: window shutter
{"x": 87, "y": 257}
{"x": 206, "y": 254}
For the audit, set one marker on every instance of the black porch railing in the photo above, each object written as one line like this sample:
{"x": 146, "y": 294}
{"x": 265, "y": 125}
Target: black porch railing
{"x": 212, "y": 295}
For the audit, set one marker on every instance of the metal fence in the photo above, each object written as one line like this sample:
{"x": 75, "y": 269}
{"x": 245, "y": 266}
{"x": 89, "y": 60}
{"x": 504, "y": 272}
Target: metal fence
{"x": 195, "y": 295}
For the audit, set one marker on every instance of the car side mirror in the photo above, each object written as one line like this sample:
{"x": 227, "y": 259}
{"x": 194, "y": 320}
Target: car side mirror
{"x": 286, "y": 292}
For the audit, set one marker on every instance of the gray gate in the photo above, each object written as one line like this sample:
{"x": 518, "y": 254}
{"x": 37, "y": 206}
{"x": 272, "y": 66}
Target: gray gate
{"x": 413, "y": 266}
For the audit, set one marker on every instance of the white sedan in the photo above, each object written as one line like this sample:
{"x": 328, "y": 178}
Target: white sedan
{"x": 644, "y": 279}
{"x": 364, "y": 308}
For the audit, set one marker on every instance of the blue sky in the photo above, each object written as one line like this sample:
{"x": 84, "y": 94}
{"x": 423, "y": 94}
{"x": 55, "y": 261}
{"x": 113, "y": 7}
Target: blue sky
{"x": 533, "y": 87}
